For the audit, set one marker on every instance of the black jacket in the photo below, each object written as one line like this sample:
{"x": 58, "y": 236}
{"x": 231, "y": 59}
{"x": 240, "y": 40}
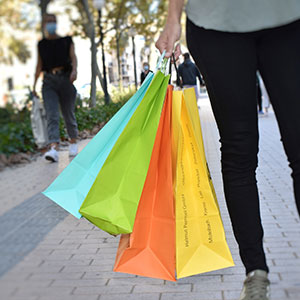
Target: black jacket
{"x": 189, "y": 73}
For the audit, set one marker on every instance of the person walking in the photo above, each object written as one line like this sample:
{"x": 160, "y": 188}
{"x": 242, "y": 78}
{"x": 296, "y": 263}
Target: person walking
{"x": 145, "y": 72}
{"x": 188, "y": 73}
{"x": 58, "y": 63}
{"x": 237, "y": 39}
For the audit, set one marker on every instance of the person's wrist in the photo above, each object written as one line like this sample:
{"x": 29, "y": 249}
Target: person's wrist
{"x": 173, "y": 20}
{"x": 174, "y": 17}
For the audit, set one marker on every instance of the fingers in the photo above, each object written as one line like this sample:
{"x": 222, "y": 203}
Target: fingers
{"x": 167, "y": 39}
{"x": 161, "y": 44}
{"x": 170, "y": 46}
{"x": 177, "y": 51}
{"x": 169, "y": 49}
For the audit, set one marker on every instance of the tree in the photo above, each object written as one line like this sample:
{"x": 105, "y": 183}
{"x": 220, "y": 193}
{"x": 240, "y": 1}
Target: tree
{"x": 118, "y": 11}
{"x": 43, "y": 6}
{"x": 118, "y": 17}
{"x": 13, "y": 45}
{"x": 150, "y": 19}
{"x": 90, "y": 26}
{"x": 43, "y": 9}
{"x": 146, "y": 18}
{"x": 86, "y": 27}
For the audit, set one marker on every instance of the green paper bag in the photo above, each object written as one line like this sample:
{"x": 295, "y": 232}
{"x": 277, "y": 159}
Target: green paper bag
{"x": 112, "y": 202}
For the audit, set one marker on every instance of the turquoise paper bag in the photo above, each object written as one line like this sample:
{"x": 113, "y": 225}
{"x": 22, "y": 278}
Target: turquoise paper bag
{"x": 71, "y": 187}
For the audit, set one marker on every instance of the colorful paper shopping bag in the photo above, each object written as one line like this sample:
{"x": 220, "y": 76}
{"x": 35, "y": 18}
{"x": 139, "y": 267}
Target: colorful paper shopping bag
{"x": 70, "y": 188}
{"x": 112, "y": 201}
{"x": 200, "y": 239}
{"x": 191, "y": 105}
{"x": 150, "y": 249}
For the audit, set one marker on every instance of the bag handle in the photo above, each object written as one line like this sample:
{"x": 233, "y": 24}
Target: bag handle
{"x": 173, "y": 61}
{"x": 160, "y": 61}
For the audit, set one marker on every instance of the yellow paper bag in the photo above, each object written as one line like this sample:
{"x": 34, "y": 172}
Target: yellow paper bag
{"x": 175, "y": 130}
{"x": 200, "y": 239}
{"x": 192, "y": 108}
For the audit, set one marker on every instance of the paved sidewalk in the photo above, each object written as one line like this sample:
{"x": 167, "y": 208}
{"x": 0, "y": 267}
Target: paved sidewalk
{"x": 23, "y": 181}
{"x": 46, "y": 254}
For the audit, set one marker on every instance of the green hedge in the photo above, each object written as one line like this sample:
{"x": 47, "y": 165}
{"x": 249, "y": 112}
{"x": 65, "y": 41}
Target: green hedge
{"x": 15, "y": 127}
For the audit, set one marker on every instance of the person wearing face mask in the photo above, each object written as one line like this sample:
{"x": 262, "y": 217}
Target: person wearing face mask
{"x": 58, "y": 63}
{"x": 145, "y": 71}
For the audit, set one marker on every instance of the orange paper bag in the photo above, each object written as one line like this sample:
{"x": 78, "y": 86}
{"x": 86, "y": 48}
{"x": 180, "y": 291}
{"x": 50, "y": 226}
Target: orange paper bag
{"x": 150, "y": 249}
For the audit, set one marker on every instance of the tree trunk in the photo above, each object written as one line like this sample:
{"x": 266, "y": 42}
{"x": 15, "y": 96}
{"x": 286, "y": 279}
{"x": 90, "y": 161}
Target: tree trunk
{"x": 104, "y": 87}
{"x": 91, "y": 31}
{"x": 119, "y": 62}
{"x": 134, "y": 62}
{"x": 118, "y": 37}
{"x": 98, "y": 72}
{"x": 94, "y": 72}
{"x": 43, "y": 7}
{"x": 99, "y": 75}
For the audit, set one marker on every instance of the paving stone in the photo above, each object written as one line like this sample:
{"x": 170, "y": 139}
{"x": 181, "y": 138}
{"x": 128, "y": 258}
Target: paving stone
{"x": 55, "y": 292}
{"x": 98, "y": 290}
{"x": 69, "y": 297}
{"x": 216, "y": 295}
{"x": 27, "y": 297}
{"x": 86, "y": 269}
{"x": 148, "y": 288}
{"x": 134, "y": 281}
{"x": 57, "y": 276}
{"x": 216, "y": 279}
{"x": 211, "y": 286}
{"x": 79, "y": 283}
{"x": 104, "y": 261}
{"x": 105, "y": 274}
{"x": 150, "y": 296}
{"x": 287, "y": 262}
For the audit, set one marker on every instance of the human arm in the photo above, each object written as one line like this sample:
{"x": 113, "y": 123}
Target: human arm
{"x": 172, "y": 30}
{"x": 38, "y": 71}
{"x": 73, "y": 57}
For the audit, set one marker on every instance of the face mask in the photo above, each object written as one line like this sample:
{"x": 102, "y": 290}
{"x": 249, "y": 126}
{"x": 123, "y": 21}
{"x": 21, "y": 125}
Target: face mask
{"x": 146, "y": 68}
{"x": 51, "y": 27}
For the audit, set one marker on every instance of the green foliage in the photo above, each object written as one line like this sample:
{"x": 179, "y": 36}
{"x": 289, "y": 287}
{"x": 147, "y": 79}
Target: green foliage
{"x": 138, "y": 16}
{"x": 142, "y": 17}
{"x": 19, "y": 49}
{"x": 15, "y": 127}
{"x": 5, "y": 115}
{"x": 16, "y": 135}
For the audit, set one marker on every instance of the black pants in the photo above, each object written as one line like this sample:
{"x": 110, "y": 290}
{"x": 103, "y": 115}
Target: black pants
{"x": 59, "y": 91}
{"x": 228, "y": 62}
